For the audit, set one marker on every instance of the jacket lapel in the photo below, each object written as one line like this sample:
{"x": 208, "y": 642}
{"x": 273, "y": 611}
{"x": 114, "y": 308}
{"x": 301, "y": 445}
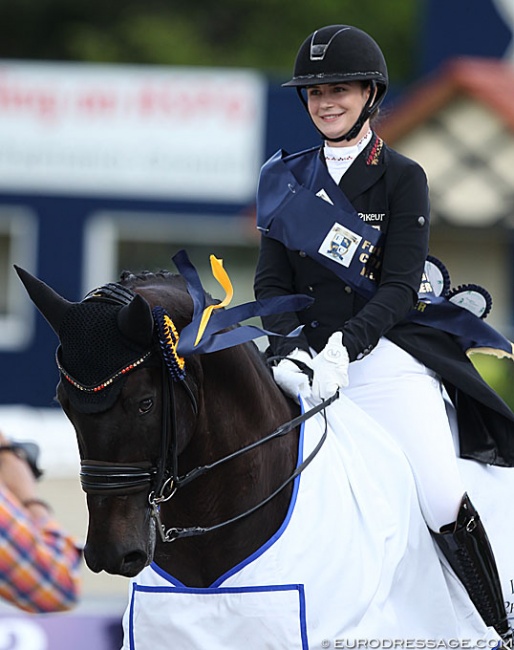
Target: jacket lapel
{"x": 365, "y": 170}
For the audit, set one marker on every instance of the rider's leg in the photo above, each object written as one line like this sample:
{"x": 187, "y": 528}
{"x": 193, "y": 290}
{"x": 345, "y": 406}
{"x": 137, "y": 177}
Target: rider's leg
{"x": 466, "y": 546}
{"x": 406, "y": 398}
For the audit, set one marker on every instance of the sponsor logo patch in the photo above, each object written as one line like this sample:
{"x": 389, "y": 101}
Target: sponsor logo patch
{"x": 340, "y": 244}
{"x": 372, "y": 216}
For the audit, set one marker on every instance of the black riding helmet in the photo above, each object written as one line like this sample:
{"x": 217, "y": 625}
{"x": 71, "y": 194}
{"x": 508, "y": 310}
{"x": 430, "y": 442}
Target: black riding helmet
{"x": 341, "y": 53}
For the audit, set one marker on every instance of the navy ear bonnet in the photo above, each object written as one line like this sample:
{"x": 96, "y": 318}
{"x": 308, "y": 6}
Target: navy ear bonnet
{"x": 102, "y": 338}
{"x": 94, "y": 355}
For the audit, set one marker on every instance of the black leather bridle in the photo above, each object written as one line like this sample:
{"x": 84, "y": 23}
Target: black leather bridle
{"x": 116, "y": 479}
{"x": 163, "y": 480}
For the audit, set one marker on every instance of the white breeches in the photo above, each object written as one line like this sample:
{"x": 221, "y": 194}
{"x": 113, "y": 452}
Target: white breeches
{"x": 406, "y": 398}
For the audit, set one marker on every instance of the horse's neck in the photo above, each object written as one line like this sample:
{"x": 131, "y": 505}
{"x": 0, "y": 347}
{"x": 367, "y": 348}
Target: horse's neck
{"x": 245, "y": 389}
{"x": 244, "y": 405}
{"x": 241, "y": 405}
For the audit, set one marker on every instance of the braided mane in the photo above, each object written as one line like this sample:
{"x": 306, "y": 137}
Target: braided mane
{"x": 128, "y": 278}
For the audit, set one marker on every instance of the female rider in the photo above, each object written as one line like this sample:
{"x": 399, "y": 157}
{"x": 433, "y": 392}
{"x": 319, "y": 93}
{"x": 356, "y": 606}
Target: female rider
{"x": 348, "y": 224}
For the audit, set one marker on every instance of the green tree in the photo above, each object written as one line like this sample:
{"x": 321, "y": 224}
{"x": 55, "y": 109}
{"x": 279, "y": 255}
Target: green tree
{"x": 263, "y": 34}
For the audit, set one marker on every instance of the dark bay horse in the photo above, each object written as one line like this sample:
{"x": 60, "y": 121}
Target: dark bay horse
{"x": 226, "y": 401}
{"x": 191, "y": 465}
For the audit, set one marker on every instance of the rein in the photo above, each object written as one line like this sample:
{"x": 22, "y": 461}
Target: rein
{"x": 175, "y": 482}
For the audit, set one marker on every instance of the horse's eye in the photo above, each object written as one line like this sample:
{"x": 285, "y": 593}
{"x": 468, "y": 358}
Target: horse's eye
{"x": 145, "y": 405}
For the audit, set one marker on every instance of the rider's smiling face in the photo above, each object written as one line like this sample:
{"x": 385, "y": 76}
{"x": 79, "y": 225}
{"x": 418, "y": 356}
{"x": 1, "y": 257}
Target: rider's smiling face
{"x": 334, "y": 108}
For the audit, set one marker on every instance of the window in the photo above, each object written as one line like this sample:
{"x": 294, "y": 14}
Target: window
{"x": 117, "y": 241}
{"x": 18, "y": 245}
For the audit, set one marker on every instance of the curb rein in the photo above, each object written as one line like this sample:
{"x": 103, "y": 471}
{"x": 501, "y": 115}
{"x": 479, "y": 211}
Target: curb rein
{"x": 170, "y": 485}
{"x": 174, "y": 482}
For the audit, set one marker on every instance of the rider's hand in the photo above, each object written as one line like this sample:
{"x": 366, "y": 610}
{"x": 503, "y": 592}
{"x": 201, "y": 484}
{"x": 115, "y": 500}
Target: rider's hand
{"x": 290, "y": 377}
{"x": 330, "y": 368}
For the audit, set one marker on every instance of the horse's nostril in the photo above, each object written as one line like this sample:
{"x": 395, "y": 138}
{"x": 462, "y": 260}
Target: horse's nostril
{"x": 133, "y": 563}
{"x": 127, "y": 565}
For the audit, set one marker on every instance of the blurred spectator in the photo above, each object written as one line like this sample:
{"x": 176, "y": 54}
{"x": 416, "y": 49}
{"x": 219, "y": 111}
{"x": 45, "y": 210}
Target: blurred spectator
{"x": 39, "y": 561}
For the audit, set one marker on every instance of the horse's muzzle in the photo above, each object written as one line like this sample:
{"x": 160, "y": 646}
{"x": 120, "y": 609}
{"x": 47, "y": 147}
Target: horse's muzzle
{"x": 121, "y": 535}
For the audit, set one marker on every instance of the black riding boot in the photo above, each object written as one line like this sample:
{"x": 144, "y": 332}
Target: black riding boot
{"x": 466, "y": 547}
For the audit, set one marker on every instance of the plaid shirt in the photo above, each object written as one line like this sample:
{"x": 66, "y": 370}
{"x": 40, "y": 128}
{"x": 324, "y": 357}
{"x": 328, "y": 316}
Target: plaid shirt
{"x": 39, "y": 562}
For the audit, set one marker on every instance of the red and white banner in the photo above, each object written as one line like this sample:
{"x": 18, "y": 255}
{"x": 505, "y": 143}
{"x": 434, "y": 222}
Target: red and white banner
{"x": 151, "y": 132}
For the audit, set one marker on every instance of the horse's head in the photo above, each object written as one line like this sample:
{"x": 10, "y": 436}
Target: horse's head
{"x": 114, "y": 389}
{"x": 163, "y": 437}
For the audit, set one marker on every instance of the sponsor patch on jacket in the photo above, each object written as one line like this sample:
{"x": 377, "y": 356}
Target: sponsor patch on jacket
{"x": 372, "y": 216}
{"x": 340, "y": 244}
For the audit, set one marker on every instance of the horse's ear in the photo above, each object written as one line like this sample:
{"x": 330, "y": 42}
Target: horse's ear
{"x": 50, "y": 303}
{"x": 135, "y": 321}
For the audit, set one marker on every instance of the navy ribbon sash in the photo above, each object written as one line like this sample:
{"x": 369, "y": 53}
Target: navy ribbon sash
{"x": 472, "y": 333}
{"x": 289, "y": 209}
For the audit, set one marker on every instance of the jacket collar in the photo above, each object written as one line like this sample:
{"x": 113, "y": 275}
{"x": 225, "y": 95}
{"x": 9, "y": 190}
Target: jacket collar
{"x": 365, "y": 170}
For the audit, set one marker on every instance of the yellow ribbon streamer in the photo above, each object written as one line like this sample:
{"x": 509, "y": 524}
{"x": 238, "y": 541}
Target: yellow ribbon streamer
{"x": 222, "y": 277}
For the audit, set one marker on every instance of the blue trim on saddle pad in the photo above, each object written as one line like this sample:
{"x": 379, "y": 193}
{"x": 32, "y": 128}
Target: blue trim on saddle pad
{"x": 178, "y": 591}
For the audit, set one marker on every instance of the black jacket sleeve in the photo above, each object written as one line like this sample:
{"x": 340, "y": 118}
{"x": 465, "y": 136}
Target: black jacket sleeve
{"x": 403, "y": 259}
{"x": 274, "y": 276}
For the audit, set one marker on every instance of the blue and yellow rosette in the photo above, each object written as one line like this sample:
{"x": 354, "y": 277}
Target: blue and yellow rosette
{"x": 214, "y": 326}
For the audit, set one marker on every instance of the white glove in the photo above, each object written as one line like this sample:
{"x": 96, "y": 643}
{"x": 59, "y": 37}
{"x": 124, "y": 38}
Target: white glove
{"x": 289, "y": 376}
{"x": 330, "y": 368}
